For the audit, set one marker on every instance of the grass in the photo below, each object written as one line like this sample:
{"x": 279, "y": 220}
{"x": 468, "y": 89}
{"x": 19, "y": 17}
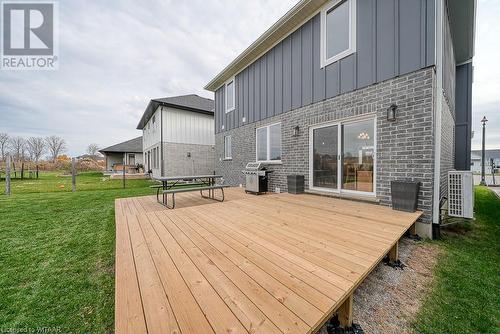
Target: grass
{"x": 466, "y": 293}
{"x": 57, "y": 253}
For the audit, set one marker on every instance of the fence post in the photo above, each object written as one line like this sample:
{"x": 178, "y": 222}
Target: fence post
{"x": 73, "y": 175}
{"x": 7, "y": 176}
{"x": 123, "y": 173}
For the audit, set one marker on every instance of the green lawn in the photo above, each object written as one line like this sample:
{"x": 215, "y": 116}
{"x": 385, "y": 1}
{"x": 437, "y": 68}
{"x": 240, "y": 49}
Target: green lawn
{"x": 57, "y": 253}
{"x": 466, "y": 293}
{"x": 57, "y": 260}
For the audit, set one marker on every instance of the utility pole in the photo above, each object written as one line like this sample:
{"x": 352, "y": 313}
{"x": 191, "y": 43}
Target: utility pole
{"x": 483, "y": 154}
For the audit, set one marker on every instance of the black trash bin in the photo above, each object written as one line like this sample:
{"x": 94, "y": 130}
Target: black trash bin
{"x": 295, "y": 184}
{"x": 404, "y": 195}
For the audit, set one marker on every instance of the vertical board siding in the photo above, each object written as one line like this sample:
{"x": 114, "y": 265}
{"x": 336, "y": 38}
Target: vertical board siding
{"x": 278, "y": 79}
{"x": 307, "y": 63}
{"x": 410, "y": 29}
{"x": 393, "y": 37}
{"x": 297, "y": 69}
{"x": 365, "y": 42}
{"x": 270, "y": 84}
{"x": 385, "y": 40}
{"x": 287, "y": 74}
{"x": 319, "y": 80}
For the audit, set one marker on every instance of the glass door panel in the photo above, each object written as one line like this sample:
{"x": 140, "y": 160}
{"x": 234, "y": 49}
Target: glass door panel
{"x": 358, "y": 156}
{"x": 325, "y": 157}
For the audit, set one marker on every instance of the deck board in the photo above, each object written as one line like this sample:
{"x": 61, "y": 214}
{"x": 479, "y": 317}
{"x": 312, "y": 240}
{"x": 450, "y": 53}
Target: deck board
{"x": 277, "y": 263}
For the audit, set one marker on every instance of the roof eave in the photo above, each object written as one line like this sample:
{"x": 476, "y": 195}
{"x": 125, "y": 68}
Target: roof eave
{"x": 276, "y": 33}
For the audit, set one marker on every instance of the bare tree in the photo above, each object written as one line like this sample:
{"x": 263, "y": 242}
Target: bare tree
{"x": 18, "y": 147}
{"x": 93, "y": 149}
{"x": 55, "y": 145}
{"x": 4, "y": 144}
{"x": 36, "y": 148}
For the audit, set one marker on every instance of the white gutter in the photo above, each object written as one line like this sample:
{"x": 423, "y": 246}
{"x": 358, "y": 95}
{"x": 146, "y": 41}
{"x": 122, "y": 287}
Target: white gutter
{"x": 439, "y": 13}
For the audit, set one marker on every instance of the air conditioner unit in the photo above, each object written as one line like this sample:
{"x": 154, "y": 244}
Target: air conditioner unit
{"x": 461, "y": 194}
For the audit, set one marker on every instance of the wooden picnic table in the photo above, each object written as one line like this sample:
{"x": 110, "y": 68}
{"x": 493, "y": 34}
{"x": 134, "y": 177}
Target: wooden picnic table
{"x": 169, "y": 185}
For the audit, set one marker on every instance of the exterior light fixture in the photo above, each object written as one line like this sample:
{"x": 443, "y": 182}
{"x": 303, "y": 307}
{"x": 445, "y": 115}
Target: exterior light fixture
{"x": 391, "y": 113}
{"x": 296, "y": 131}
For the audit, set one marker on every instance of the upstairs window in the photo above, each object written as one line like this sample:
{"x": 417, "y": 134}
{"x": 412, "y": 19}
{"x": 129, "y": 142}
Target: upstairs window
{"x": 230, "y": 95}
{"x": 269, "y": 143}
{"x": 227, "y": 148}
{"x": 338, "y": 31}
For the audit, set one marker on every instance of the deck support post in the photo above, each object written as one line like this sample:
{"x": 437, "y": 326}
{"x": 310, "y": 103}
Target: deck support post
{"x": 413, "y": 229}
{"x": 394, "y": 253}
{"x": 344, "y": 312}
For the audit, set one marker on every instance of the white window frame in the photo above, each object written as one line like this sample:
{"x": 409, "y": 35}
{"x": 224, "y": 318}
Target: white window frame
{"x": 226, "y": 156}
{"x": 233, "y": 80}
{"x": 268, "y": 148}
{"x": 339, "y": 123}
{"x": 352, "y": 32}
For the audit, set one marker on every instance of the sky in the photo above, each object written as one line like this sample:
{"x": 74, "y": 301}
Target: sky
{"x": 117, "y": 55}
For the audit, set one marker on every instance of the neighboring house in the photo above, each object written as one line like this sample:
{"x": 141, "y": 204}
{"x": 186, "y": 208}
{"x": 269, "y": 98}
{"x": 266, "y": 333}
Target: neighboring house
{"x": 178, "y": 136}
{"x": 313, "y": 94}
{"x": 489, "y": 154}
{"x": 128, "y": 152}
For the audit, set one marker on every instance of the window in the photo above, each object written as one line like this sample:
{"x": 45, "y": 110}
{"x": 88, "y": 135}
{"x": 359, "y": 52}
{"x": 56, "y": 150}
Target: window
{"x": 338, "y": 31}
{"x": 230, "y": 96}
{"x": 269, "y": 143}
{"x": 227, "y": 148}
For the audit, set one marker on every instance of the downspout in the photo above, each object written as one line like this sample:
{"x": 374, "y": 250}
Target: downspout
{"x": 436, "y": 210}
{"x": 162, "y": 167}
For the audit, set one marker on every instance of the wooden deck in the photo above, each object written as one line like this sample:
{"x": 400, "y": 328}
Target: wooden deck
{"x": 276, "y": 263}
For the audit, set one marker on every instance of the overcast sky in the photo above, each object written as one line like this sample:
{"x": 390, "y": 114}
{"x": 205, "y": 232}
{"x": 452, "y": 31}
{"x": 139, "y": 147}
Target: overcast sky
{"x": 117, "y": 55}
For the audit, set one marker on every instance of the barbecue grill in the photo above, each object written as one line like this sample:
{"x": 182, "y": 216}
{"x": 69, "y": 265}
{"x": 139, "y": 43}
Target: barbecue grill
{"x": 256, "y": 178}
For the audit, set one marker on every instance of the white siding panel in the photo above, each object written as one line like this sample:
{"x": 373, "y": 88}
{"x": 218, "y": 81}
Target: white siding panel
{"x": 187, "y": 127}
{"x": 151, "y": 134}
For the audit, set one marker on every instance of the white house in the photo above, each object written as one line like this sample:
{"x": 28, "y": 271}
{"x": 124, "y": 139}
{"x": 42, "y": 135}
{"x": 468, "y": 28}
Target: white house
{"x": 178, "y": 136}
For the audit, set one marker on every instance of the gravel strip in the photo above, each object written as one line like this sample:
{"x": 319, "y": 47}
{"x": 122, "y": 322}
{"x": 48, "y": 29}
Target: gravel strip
{"x": 388, "y": 299}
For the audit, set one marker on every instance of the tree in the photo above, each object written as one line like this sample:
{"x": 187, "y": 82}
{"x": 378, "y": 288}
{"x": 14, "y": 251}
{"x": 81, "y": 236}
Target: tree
{"x": 36, "y": 148}
{"x": 18, "y": 147}
{"x": 55, "y": 145}
{"x": 4, "y": 143}
{"x": 93, "y": 149}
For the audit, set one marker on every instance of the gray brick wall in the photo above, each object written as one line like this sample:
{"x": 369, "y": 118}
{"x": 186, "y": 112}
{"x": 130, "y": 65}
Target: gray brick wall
{"x": 447, "y": 162}
{"x": 177, "y": 161}
{"x": 404, "y": 148}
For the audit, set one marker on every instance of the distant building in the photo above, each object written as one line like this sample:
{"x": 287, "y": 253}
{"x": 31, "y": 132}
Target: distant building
{"x": 489, "y": 154}
{"x": 178, "y": 135}
{"x": 128, "y": 153}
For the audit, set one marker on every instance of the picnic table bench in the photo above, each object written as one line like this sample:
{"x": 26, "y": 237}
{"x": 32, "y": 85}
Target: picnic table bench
{"x": 176, "y": 184}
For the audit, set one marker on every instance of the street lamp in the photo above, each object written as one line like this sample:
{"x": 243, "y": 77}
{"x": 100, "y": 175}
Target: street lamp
{"x": 483, "y": 162}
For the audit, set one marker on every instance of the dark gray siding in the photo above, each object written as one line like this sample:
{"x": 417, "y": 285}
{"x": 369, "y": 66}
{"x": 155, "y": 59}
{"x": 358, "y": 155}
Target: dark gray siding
{"x": 463, "y": 116}
{"x": 393, "y": 37}
{"x": 449, "y": 68}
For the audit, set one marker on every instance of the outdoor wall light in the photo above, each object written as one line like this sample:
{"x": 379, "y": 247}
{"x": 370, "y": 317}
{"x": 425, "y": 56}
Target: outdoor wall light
{"x": 296, "y": 131}
{"x": 391, "y": 113}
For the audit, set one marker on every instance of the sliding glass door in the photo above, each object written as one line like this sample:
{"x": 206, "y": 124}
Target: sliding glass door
{"x": 325, "y": 157}
{"x": 343, "y": 156}
{"x": 358, "y": 156}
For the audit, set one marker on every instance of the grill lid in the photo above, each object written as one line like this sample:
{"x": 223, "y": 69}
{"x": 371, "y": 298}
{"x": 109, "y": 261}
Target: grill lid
{"x": 254, "y": 166}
